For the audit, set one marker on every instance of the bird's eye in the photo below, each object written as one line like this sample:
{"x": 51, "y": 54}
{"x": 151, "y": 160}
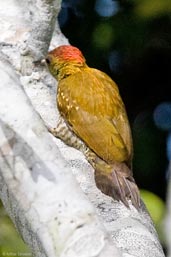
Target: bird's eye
{"x": 48, "y": 60}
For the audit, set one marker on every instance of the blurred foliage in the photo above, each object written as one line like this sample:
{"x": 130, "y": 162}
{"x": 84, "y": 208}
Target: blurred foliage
{"x": 11, "y": 243}
{"x": 149, "y": 153}
{"x": 103, "y": 36}
{"x": 154, "y": 204}
{"x": 152, "y": 8}
{"x": 156, "y": 208}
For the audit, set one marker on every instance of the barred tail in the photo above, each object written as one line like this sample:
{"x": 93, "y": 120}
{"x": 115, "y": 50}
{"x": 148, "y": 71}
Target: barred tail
{"x": 119, "y": 184}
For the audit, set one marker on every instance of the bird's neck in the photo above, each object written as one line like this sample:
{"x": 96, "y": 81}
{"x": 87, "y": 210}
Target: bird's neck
{"x": 67, "y": 69}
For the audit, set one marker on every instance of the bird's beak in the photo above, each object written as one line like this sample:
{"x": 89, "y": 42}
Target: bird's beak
{"x": 43, "y": 62}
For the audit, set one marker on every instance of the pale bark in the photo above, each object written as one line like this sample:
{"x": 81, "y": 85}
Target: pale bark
{"x": 38, "y": 188}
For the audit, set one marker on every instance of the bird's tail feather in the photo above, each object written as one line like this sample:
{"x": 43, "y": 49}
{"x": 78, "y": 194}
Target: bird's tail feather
{"x": 119, "y": 184}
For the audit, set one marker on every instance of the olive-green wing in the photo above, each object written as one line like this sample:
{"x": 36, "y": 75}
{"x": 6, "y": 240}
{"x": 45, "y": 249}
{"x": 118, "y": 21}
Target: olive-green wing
{"x": 90, "y": 102}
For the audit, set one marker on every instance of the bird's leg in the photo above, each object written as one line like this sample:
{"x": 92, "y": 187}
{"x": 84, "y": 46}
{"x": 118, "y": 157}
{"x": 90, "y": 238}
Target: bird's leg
{"x": 63, "y": 132}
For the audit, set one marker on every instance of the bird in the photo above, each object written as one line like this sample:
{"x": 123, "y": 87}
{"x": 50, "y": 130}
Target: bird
{"x": 93, "y": 119}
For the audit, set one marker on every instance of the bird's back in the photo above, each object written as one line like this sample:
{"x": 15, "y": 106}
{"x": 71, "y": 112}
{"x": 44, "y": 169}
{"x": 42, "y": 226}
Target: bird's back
{"x": 90, "y": 102}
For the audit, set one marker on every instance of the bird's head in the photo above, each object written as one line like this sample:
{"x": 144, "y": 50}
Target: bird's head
{"x": 64, "y": 61}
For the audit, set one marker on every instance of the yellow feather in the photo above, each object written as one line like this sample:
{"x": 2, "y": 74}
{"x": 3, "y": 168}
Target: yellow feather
{"x": 100, "y": 120}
